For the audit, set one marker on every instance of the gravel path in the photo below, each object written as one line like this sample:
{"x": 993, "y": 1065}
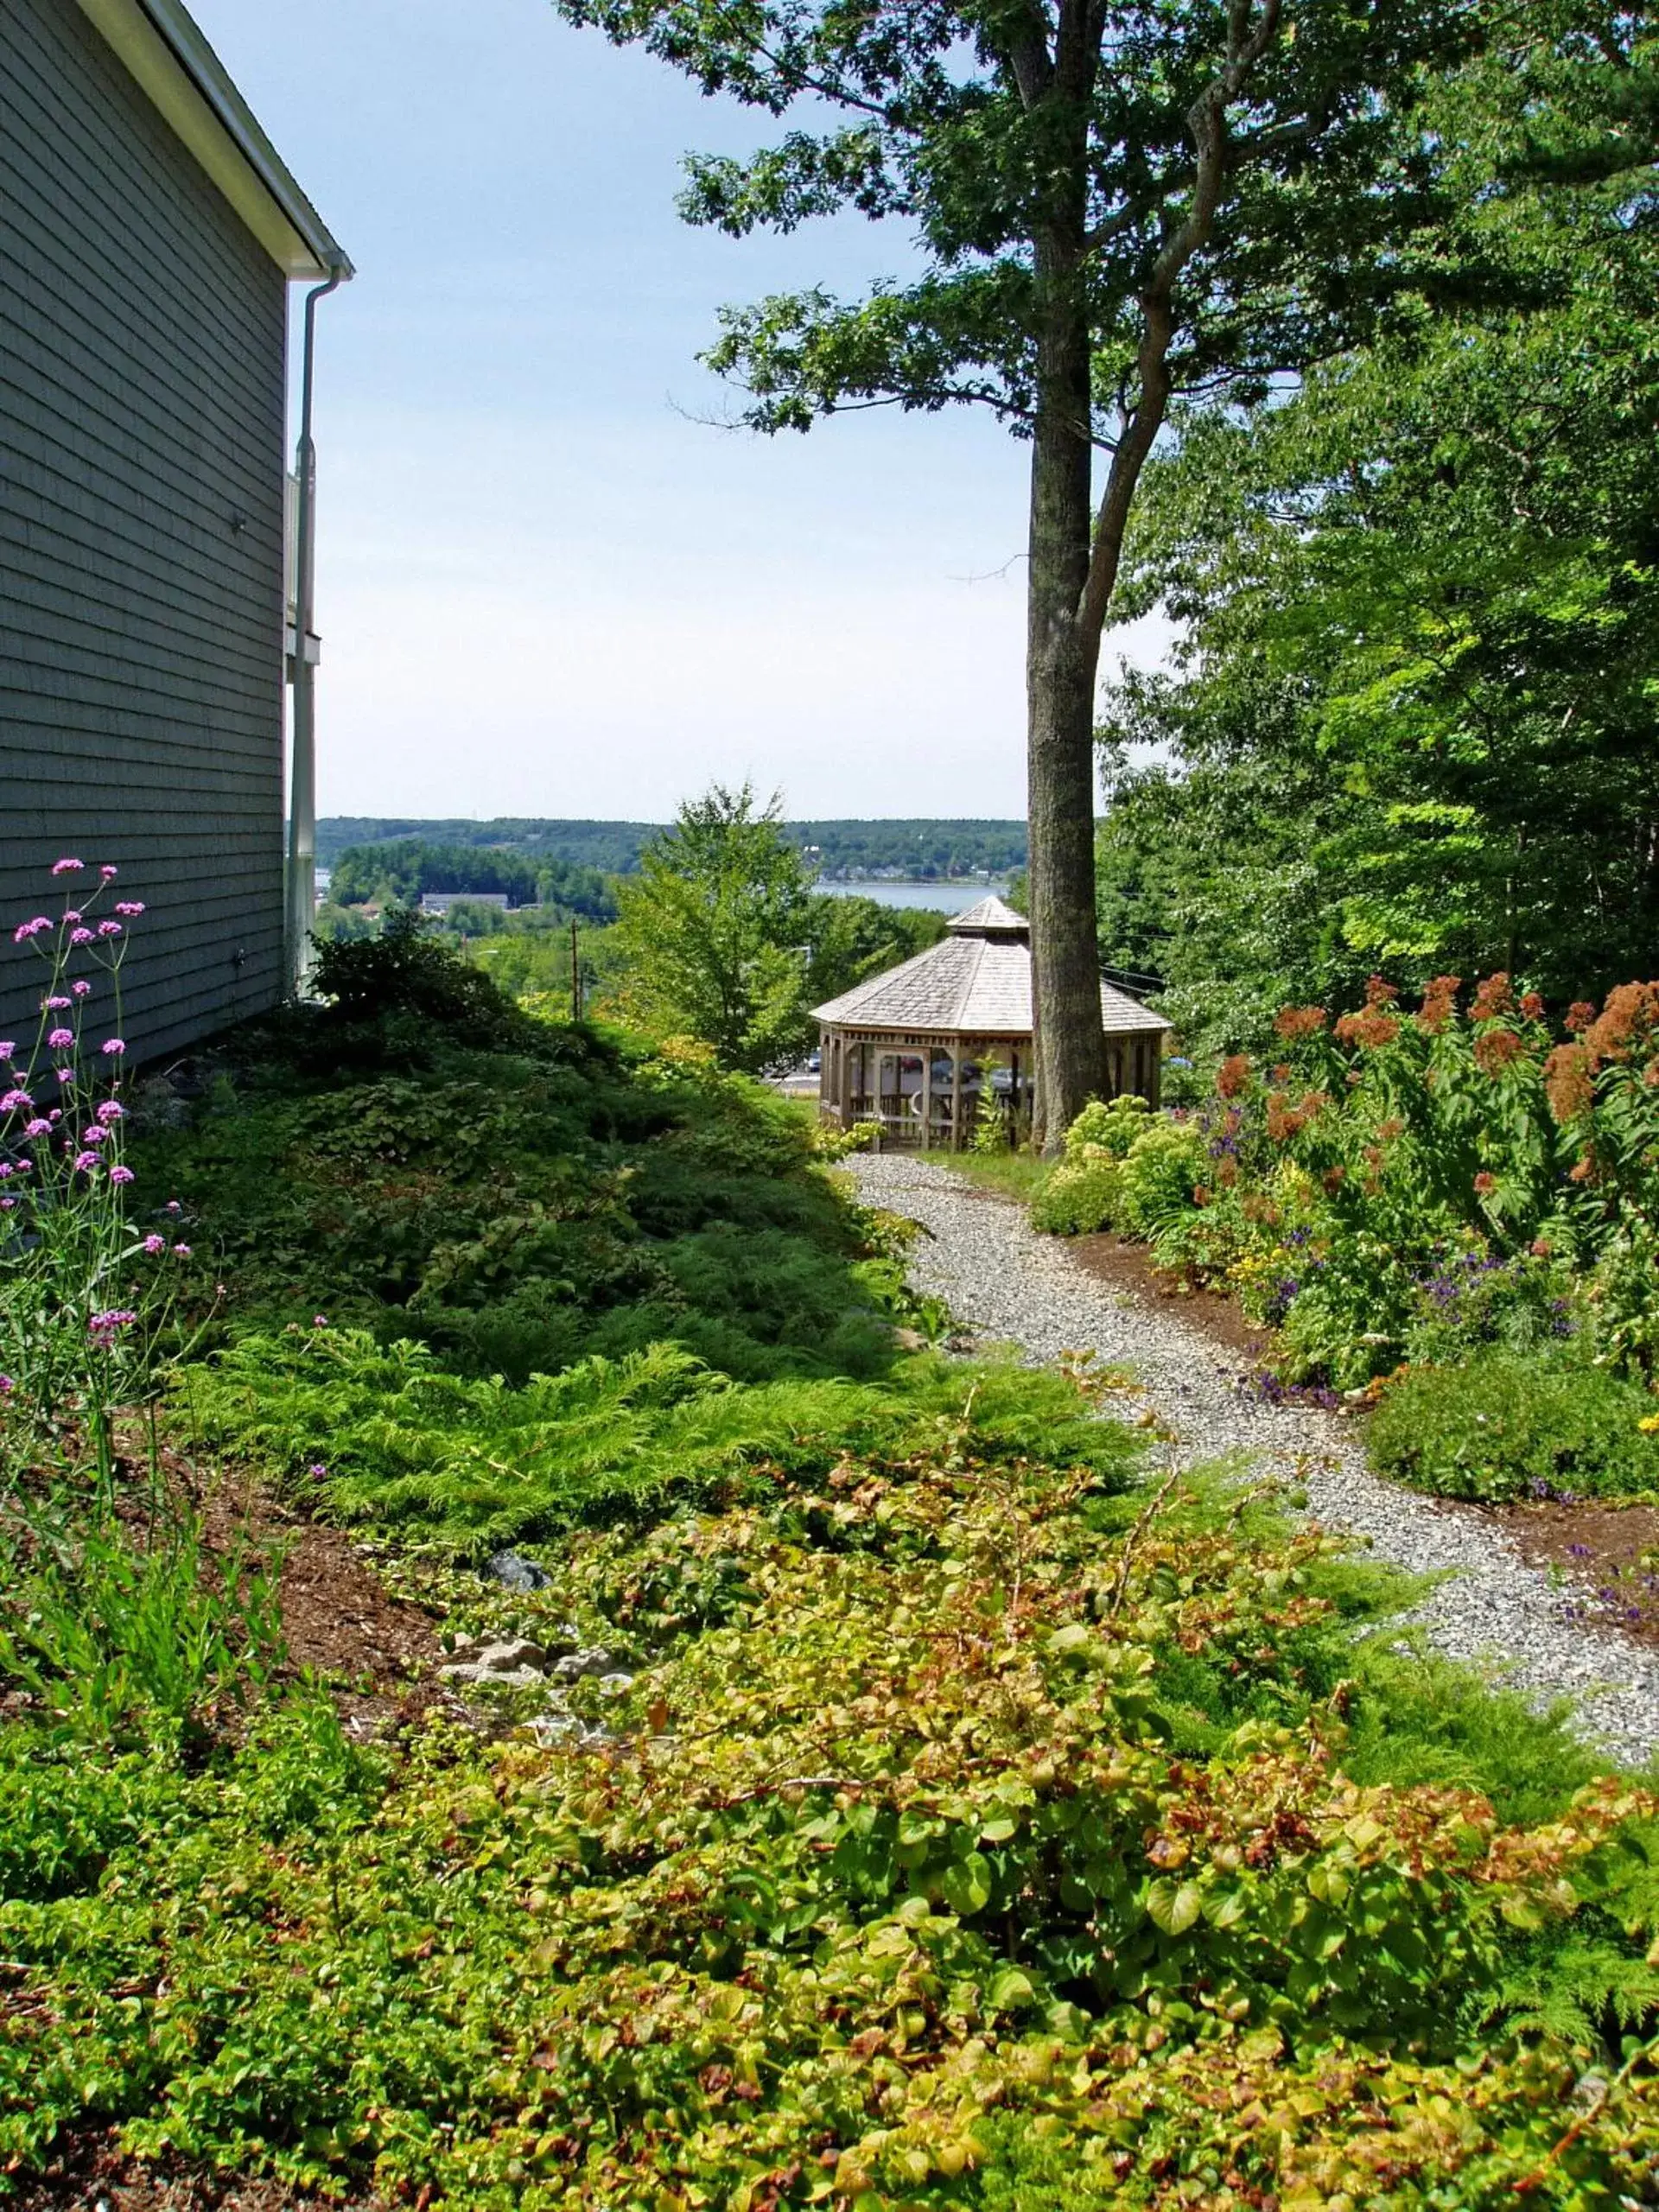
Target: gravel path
{"x": 1010, "y": 1285}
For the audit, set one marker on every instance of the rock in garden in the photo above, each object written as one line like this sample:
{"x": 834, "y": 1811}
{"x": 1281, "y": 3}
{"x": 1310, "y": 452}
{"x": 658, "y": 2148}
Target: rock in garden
{"x": 591, "y": 1659}
{"x": 514, "y": 1572}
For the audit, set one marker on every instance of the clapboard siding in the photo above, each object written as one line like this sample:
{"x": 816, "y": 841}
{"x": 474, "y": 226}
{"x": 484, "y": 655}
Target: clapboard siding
{"x": 142, "y": 374}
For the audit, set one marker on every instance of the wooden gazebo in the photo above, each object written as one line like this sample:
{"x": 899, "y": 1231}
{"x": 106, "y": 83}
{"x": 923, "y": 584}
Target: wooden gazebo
{"x": 929, "y": 1047}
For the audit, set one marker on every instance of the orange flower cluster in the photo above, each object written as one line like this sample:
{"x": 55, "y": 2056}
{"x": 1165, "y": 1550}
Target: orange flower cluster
{"x": 1533, "y": 1006}
{"x": 1567, "y": 1083}
{"x": 1629, "y": 1013}
{"x": 1493, "y": 998}
{"x": 1495, "y": 1049}
{"x": 1232, "y": 1075}
{"x": 1485, "y": 1185}
{"x": 1300, "y": 1022}
{"x": 1286, "y": 1121}
{"x": 1579, "y": 1016}
{"x": 1380, "y": 992}
{"x": 1369, "y": 1029}
{"x": 1439, "y": 1001}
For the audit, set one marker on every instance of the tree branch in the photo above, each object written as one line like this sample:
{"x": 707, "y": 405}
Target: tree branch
{"x": 1207, "y": 122}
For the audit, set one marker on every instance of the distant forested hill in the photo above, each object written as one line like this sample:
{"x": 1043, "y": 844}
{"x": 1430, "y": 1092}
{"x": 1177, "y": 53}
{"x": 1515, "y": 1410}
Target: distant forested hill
{"x": 929, "y": 850}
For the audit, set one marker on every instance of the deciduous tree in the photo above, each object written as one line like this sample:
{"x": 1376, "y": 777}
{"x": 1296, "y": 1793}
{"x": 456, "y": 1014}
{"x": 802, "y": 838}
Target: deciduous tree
{"x": 1118, "y": 204}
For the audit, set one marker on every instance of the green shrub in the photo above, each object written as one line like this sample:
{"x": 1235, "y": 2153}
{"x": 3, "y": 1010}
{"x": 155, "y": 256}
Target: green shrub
{"x": 1079, "y": 1199}
{"x": 1164, "y": 1166}
{"x": 1507, "y": 1425}
{"x": 381, "y": 1435}
{"x": 1105, "y": 1126}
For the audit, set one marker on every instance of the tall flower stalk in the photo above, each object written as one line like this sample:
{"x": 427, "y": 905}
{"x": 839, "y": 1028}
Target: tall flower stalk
{"x": 82, "y": 1293}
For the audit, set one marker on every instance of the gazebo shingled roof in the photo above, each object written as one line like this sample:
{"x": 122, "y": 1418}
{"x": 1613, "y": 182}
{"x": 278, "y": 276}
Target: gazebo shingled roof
{"x": 975, "y": 982}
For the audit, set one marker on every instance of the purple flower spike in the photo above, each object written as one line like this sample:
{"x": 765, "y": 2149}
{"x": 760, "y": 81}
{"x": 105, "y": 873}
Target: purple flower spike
{"x": 60, "y": 1039}
{"x": 69, "y": 866}
{"x": 114, "y": 1046}
{"x": 120, "y": 1174}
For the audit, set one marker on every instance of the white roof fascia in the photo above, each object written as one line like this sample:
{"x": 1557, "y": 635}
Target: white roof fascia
{"x": 188, "y": 86}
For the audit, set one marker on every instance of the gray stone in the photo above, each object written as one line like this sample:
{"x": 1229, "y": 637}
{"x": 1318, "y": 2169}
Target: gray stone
{"x": 512, "y": 1657}
{"x": 513, "y": 1572}
{"x": 616, "y": 1685}
{"x": 588, "y": 1659}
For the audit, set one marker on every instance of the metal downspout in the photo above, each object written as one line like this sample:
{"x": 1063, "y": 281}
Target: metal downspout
{"x": 302, "y": 873}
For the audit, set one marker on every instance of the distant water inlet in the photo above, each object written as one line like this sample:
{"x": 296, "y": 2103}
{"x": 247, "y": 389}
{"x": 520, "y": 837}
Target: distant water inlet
{"x": 942, "y": 898}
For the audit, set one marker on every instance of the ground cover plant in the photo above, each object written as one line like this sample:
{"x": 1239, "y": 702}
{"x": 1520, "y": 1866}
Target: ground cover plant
{"x": 963, "y": 1823}
{"x": 970, "y": 1836}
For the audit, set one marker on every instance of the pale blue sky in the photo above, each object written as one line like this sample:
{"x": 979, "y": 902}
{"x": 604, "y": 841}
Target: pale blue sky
{"x": 543, "y": 589}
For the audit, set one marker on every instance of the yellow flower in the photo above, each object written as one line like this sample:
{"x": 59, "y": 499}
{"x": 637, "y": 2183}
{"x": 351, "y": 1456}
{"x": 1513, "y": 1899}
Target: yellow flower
{"x": 1650, "y": 1425}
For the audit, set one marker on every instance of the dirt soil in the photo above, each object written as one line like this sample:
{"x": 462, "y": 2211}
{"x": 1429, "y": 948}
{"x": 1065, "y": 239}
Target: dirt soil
{"x": 92, "y": 2171}
{"x": 1608, "y": 1552}
{"x": 1128, "y": 1266}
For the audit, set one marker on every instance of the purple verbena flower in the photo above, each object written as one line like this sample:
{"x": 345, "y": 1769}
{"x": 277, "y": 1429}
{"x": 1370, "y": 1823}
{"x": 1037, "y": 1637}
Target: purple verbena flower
{"x": 13, "y": 1100}
{"x": 67, "y": 866}
{"x": 87, "y": 1163}
{"x": 8, "y": 1048}
{"x": 24, "y": 930}
{"x": 82, "y": 989}
{"x": 97, "y": 1134}
{"x": 108, "y": 873}
{"x": 181, "y": 1251}
{"x": 109, "y": 929}
{"x": 7, "y": 1386}
{"x": 153, "y": 1244}
{"x": 120, "y": 1174}
{"x": 130, "y": 908}
{"x": 81, "y": 937}
{"x": 60, "y": 1039}
{"x": 112, "y": 1110}
{"x": 113, "y": 1047}
{"x": 40, "y": 1126}
{"x": 53, "y": 1006}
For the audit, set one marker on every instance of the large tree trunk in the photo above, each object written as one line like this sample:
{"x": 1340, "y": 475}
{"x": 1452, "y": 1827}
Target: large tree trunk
{"x": 1062, "y": 655}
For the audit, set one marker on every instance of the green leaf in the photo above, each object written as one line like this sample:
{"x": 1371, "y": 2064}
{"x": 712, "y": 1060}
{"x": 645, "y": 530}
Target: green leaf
{"x": 1174, "y": 1908}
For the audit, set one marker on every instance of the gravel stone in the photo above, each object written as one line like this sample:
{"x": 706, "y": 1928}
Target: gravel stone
{"x": 1011, "y": 1286}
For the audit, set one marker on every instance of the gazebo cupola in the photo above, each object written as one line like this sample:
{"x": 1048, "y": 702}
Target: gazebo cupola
{"x": 930, "y": 1046}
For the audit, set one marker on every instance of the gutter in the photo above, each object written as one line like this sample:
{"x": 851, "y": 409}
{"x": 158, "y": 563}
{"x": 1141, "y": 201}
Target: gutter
{"x": 301, "y": 881}
{"x": 187, "y": 84}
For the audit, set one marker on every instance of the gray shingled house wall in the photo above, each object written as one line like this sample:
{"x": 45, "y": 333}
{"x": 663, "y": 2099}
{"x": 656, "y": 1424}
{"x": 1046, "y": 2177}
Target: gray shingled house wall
{"x": 142, "y": 374}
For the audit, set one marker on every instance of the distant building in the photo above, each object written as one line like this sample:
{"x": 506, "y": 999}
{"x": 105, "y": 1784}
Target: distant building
{"x": 439, "y": 902}
{"x": 151, "y": 232}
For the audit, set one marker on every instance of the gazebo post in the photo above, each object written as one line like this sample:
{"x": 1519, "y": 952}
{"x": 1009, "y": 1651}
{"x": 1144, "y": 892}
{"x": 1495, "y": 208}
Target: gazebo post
{"x": 927, "y": 1098}
{"x": 955, "y": 1096}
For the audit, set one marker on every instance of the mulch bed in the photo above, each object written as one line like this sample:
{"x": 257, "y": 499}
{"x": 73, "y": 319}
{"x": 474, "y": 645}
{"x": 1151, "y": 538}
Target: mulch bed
{"x": 1608, "y": 1552}
{"x": 1128, "y": 1266}
{"x": 92, "y": 2170}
